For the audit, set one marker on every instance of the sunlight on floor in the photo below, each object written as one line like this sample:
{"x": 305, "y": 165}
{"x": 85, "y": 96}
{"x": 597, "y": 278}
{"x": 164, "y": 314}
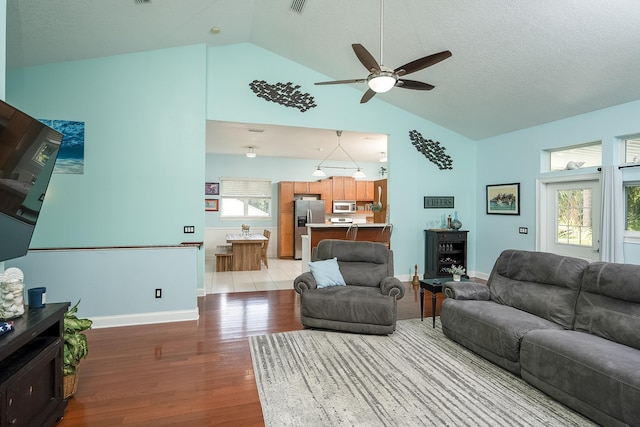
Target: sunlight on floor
{"x": 279, "y": 275}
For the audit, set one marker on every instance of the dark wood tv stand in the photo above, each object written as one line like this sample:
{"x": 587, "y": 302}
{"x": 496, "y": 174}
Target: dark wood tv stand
{"x": 31, "y": 356}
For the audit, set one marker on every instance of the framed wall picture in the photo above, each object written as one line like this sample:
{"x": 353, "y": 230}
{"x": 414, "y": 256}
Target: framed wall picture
{"x": 503, "y": 199}
{"x": 211, "y": 188}
{"x": 211, "y": 205}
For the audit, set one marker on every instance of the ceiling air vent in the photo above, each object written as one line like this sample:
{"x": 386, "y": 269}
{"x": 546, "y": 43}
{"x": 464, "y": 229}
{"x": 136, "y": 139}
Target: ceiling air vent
{"x": 297, "y": 6}
{"x": 141, "y": 1}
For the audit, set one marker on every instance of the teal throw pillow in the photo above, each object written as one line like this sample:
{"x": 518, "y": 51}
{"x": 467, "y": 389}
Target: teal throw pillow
{"x": 327, "y": 273}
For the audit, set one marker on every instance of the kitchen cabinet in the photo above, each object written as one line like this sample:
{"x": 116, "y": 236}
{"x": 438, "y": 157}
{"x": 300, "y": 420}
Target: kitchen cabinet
{"x": 380, "y": 196}
{"x": 444, "y": 248}
{"x": 285, "y": 196}
{"x": 304, "y": 187}
{"x": 285, "y": 218}
{"x": 300, "y": 187}
{"x": 343, "y": 188}
{"x": 285, "y": 235}
{"x": 364, "y": 191}
{"x": 326, "y": 194}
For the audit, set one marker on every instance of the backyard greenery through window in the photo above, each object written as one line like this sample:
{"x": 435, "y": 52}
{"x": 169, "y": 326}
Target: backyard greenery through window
{"x": 633, "y": 206}
{"x": 574, "y": 217}
{"x": 250, "y": 198}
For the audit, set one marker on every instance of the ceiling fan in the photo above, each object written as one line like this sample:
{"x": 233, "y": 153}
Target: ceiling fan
{"x": 382, "y": 79}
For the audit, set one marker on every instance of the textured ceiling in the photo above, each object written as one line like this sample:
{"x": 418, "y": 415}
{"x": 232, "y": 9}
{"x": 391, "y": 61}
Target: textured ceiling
{"x": 515, "y": 63}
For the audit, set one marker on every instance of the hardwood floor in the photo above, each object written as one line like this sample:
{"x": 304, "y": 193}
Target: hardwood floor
{"x": 189, "y": 373}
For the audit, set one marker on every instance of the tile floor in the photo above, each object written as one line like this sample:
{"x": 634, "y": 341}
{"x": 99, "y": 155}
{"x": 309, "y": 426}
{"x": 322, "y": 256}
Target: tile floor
{"x": 279, "y": 275}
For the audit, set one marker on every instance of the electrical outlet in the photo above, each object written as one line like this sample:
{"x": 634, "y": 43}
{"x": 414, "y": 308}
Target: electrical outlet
{"x": 189, "y": 229}
{"x": 523, "y": 230}
{"x": 158, "y": 293}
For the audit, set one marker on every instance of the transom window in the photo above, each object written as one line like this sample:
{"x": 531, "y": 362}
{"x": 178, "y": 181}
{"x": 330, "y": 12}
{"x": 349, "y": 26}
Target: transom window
{"x": 579, "y": 156}
{"x": 632, "y": 149}
{"x": 245, "y": 198}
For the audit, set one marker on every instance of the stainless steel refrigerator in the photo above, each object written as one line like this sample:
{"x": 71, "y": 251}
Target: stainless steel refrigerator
{"x": 305, "y": 212}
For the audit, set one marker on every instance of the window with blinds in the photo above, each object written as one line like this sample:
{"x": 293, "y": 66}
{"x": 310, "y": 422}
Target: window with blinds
{"x": 245, "y": 198}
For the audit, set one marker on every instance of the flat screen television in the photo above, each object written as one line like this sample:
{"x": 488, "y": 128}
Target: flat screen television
{"x": 28, "y": 152}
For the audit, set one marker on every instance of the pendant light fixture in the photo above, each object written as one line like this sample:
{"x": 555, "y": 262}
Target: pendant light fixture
{"x": 357, "y": 174}
{"x": 250, "y": 154}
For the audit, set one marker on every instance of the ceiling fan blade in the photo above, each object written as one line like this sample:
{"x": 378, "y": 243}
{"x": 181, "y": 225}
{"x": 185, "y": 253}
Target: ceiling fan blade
{"x": 340, "y": 82}
{"x": 365, "y": 57}
{"x": 367, "y": 96}
{"x": 412, "y": 84}
{"x": 422, "y": 63}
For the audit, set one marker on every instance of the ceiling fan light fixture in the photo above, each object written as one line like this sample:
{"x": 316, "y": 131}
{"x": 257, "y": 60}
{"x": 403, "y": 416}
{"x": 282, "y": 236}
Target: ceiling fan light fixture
{"x": 250, "y": 154}
{"x": 318, "y": 172}
{"x": 382, "y": 82}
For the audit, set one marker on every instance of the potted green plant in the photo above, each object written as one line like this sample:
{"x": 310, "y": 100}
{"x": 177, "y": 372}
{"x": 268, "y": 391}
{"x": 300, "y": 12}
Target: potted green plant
{"x": 75, "y": 348}
{"x": 457, "y": 271}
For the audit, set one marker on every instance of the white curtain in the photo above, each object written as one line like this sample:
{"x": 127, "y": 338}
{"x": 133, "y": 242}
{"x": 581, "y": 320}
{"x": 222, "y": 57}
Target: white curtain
{"x": 613, "y": 205}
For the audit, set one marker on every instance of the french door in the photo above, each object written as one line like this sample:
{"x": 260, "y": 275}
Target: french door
{"x": 569, "y": 217}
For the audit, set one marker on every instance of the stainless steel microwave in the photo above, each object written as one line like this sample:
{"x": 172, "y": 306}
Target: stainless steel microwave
{"x": 344, "y": 206}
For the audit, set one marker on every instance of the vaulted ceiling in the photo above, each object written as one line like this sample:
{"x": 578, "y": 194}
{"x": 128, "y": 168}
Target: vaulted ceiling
{"x": 515, "y": 64}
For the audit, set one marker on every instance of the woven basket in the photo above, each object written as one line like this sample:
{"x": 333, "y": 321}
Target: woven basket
{"x": 70, "y": 385}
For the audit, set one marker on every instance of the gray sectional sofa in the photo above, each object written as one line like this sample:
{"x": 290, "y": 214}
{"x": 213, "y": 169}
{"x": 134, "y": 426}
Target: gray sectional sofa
{"x": 568, "y": 327}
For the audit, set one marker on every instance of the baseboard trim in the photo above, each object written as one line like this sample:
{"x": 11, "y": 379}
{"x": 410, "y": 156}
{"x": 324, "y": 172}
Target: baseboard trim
{"x": 144, "y": 318}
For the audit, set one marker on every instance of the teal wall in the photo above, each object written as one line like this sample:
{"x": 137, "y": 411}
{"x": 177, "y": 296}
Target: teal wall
{"x": 145, "y": 157}
{"x": 144, "y": 117}
{"x": 515, "y": 157}
{"x": 411, "y": 176}
{"x": 145, "y": 164}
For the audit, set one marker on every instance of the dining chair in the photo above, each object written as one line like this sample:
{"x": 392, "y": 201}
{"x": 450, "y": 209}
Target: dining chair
{"x": 265, "y": 246}
{"x": 352, "y": 232}
{"x": 385, "y": 235}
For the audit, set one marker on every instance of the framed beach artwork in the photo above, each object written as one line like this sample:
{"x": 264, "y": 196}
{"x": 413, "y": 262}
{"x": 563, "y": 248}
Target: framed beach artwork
{"x": 211, "y": 188}
{"x": 503, "y": 199}
{"x": 211, "y": 205}
{"x": 71, "y": 155}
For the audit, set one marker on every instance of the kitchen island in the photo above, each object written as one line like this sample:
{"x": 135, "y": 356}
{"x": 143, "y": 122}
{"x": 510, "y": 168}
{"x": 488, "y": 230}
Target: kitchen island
{"x": 370, "y": 232}
{"x": 365, "y": 232}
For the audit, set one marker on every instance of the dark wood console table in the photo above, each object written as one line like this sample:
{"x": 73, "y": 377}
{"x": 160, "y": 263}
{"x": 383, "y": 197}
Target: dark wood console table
{"x": 31, "y": 383}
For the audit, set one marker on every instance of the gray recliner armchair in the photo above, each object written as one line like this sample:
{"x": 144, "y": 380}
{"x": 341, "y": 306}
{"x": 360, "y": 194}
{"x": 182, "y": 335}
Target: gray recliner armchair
{"x": 367, "y": 304}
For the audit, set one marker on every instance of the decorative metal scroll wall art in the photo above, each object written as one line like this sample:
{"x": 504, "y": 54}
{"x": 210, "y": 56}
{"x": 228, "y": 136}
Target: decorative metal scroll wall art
{"x": 432, "y": 150}
{"x": 284, "y": 94}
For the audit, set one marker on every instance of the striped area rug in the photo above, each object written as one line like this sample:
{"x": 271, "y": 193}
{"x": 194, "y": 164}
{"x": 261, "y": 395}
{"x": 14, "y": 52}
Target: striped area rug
{"x": 414, "y": 377}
